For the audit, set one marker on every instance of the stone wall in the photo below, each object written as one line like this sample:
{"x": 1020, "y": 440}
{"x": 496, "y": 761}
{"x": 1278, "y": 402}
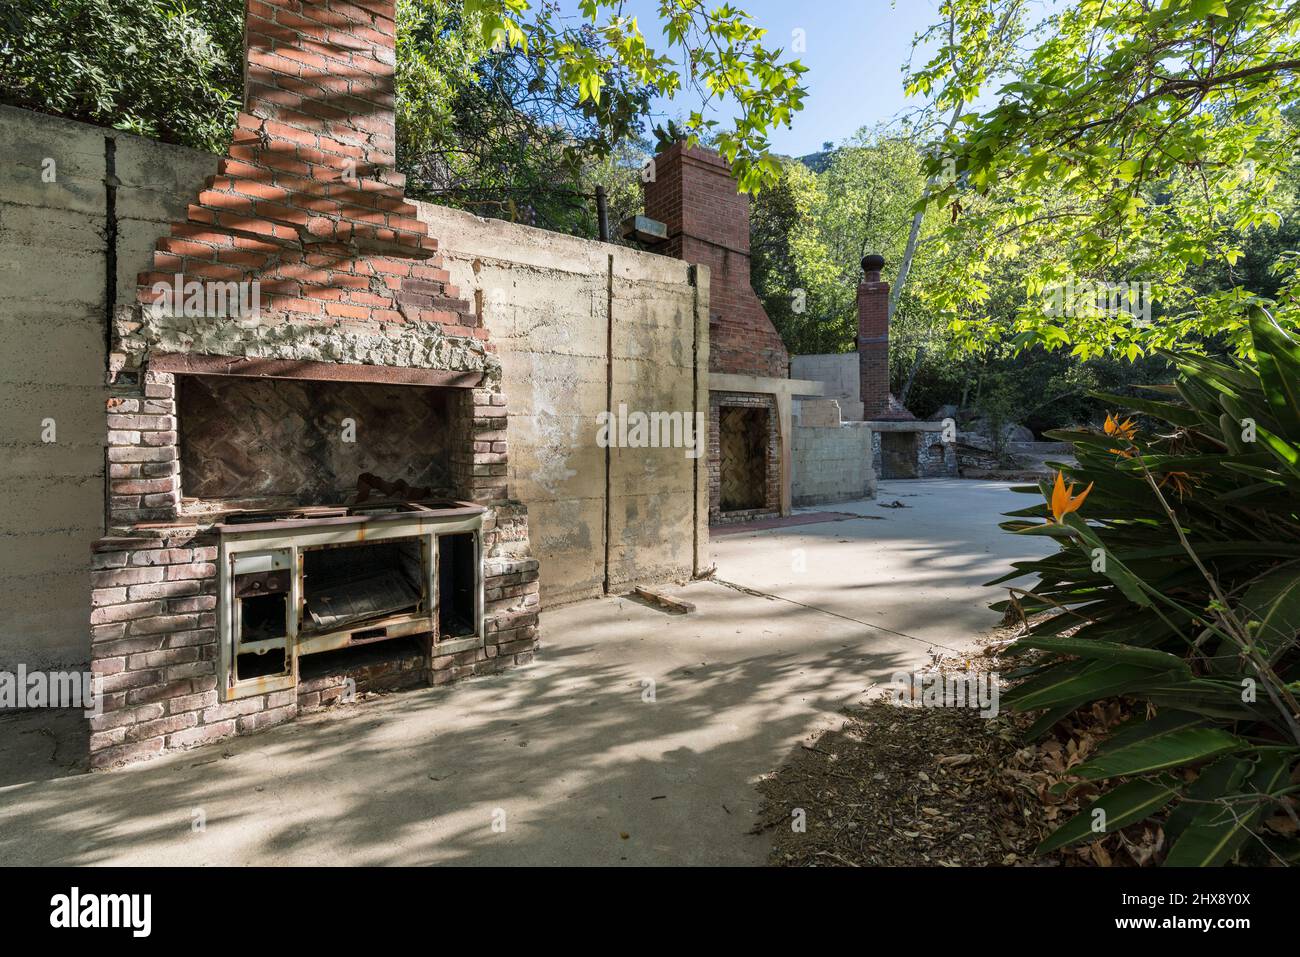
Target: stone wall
{"x": 933, "y": 457}
{"x": 832, "y": 464}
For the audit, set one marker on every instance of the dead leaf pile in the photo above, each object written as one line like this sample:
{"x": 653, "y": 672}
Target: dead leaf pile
{"x": 908, "y": 786}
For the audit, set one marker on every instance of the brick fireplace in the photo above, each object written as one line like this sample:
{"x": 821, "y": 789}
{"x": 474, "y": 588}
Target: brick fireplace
{"x": 693, "y": 193}
{"x": 306, "y": 498}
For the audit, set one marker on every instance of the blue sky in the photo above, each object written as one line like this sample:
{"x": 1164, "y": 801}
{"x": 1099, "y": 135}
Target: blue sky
{"x": 855, "y": 50}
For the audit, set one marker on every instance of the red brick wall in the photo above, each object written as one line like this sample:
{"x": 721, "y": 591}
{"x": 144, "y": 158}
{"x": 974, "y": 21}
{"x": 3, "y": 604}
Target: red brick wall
{"x": 873, "y": 346}
{"x": 308, "y": 205}
{"x": 307, "y": 200}
{"x": 154, "y": 643}
{"x": 693, "y": 193}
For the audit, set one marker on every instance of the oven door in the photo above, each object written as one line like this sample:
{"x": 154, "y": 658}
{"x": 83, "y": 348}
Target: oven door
{"x": 259, "y": 621}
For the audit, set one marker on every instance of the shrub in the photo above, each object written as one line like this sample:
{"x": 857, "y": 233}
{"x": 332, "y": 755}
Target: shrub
{"x": 1177, "y": 587}
{"x": 160, "y": 68}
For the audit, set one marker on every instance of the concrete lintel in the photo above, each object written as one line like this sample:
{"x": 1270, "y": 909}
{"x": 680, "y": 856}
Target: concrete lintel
{"x": 904, "y": 426}
{"x": 733, "y": 382}
{"x": 196, "y": 364}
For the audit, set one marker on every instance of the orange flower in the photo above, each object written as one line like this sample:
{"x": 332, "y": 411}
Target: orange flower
{"x": 1123, "y": 430}
{"x": 1065, "y": 501}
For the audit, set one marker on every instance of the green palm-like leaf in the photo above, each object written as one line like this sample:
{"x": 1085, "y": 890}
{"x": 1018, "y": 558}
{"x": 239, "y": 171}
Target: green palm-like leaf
{"x": 1279, "y": 369}
{"x": 1130, "y": 802}
{"x": 1272, "y": 606}
{"x": 1172, "y": 749}
{"x": 1214, "y": 834}
{"x": 1107, "y": 651}
{"x": 1078, "y": 683}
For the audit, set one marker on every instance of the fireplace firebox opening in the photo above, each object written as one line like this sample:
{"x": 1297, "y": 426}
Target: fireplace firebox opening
{"x": 260, "y": 442}
{"x": 898, "y": 454}
{"x": 743, "y": 438}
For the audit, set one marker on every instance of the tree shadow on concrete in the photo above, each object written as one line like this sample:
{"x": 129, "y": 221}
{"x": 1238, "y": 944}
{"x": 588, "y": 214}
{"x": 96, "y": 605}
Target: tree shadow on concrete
{"x": 568, "y": 759}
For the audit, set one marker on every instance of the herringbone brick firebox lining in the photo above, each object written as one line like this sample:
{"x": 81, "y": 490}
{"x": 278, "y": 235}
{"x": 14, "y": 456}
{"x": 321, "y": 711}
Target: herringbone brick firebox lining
{"x": 308, "y": 205}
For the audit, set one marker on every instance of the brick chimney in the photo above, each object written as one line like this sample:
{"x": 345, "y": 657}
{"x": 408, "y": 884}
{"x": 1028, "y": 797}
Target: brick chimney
{"x": 308, "y": 202}
{"x": 873, "y": 338}
{"x": 307, "y": 211}
{"x": 873, "y": 344}
{"x": 691, "y": 190}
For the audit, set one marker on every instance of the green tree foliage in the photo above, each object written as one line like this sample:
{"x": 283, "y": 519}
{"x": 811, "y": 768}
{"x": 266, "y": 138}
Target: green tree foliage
{"x": 503, "y": 106}
{"x": 720, "y": 54}
{"x": 496, "y": 130}
{"x": 166, "y": 69}
{"x": 1177, "y": 587}
{"x": 810, "y": 230}
{"x": 1136, "y": 141}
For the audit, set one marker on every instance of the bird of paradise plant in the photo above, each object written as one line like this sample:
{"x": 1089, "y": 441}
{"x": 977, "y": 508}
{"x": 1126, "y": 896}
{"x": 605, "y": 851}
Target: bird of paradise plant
{"x": 1194, "y": 613}
{"x": 1126, "y": 430}
{"x": 1064, "y": 501}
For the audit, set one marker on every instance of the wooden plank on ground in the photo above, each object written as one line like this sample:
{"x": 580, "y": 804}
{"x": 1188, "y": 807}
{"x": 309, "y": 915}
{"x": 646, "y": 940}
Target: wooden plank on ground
{"x": 666, "y": 602}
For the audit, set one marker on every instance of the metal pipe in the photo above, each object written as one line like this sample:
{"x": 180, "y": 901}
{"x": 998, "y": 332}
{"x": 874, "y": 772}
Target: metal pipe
{"x": 602, "y": 214}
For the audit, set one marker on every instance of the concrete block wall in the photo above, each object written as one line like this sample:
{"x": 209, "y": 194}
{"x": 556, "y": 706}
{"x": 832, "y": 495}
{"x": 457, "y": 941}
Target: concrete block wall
{"x": 832, "y": 464}
{"x": 580, "y": 328}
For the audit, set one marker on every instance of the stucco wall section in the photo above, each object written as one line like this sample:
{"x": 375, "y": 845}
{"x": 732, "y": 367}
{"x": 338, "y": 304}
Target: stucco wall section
{"x": 547, "y": 301}
{"x": 54, "y": 249}
{"x": 840, "y": 372}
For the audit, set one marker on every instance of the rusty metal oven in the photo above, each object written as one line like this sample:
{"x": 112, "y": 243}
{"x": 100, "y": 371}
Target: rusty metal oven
{"x": 300, "y": 582}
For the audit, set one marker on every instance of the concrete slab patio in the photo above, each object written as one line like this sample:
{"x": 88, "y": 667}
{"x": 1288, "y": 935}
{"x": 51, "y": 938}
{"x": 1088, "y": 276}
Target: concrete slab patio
{"x": 636, "y": 737}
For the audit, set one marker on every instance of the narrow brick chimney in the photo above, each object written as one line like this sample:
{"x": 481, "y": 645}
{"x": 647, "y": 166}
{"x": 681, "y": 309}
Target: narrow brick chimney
{"x": 873, "y": 344}
{"x": 691, "y": 190}
{"x": 308, "y": 202}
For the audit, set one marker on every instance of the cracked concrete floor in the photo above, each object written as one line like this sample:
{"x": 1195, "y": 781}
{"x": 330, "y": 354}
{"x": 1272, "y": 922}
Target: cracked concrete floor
{"x": 569, "y": 754}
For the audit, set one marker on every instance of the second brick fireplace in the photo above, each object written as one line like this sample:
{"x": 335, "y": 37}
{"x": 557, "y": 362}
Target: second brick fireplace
{"x": 692, "y": 192}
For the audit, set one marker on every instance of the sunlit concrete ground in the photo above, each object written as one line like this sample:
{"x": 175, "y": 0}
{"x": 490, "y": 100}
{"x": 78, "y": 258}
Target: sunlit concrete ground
{"x": 635, "y": 738}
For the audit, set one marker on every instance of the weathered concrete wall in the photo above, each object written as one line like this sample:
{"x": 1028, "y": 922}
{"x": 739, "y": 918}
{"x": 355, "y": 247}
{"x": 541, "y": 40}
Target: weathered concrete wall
{"x": 546, "y": 298}
{"x": 582, "y": 328}
{"x": 832, "y": 464}
{"x": 56, "y": 246}
{"x": 839, "y": 370}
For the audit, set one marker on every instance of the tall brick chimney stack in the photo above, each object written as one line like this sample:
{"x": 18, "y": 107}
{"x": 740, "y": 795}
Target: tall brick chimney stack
{"x": 691, "y": 190}
{"x": 308, "y": 202}
{"x": 873, "y": 340}
{"x": 324, "y": 69}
